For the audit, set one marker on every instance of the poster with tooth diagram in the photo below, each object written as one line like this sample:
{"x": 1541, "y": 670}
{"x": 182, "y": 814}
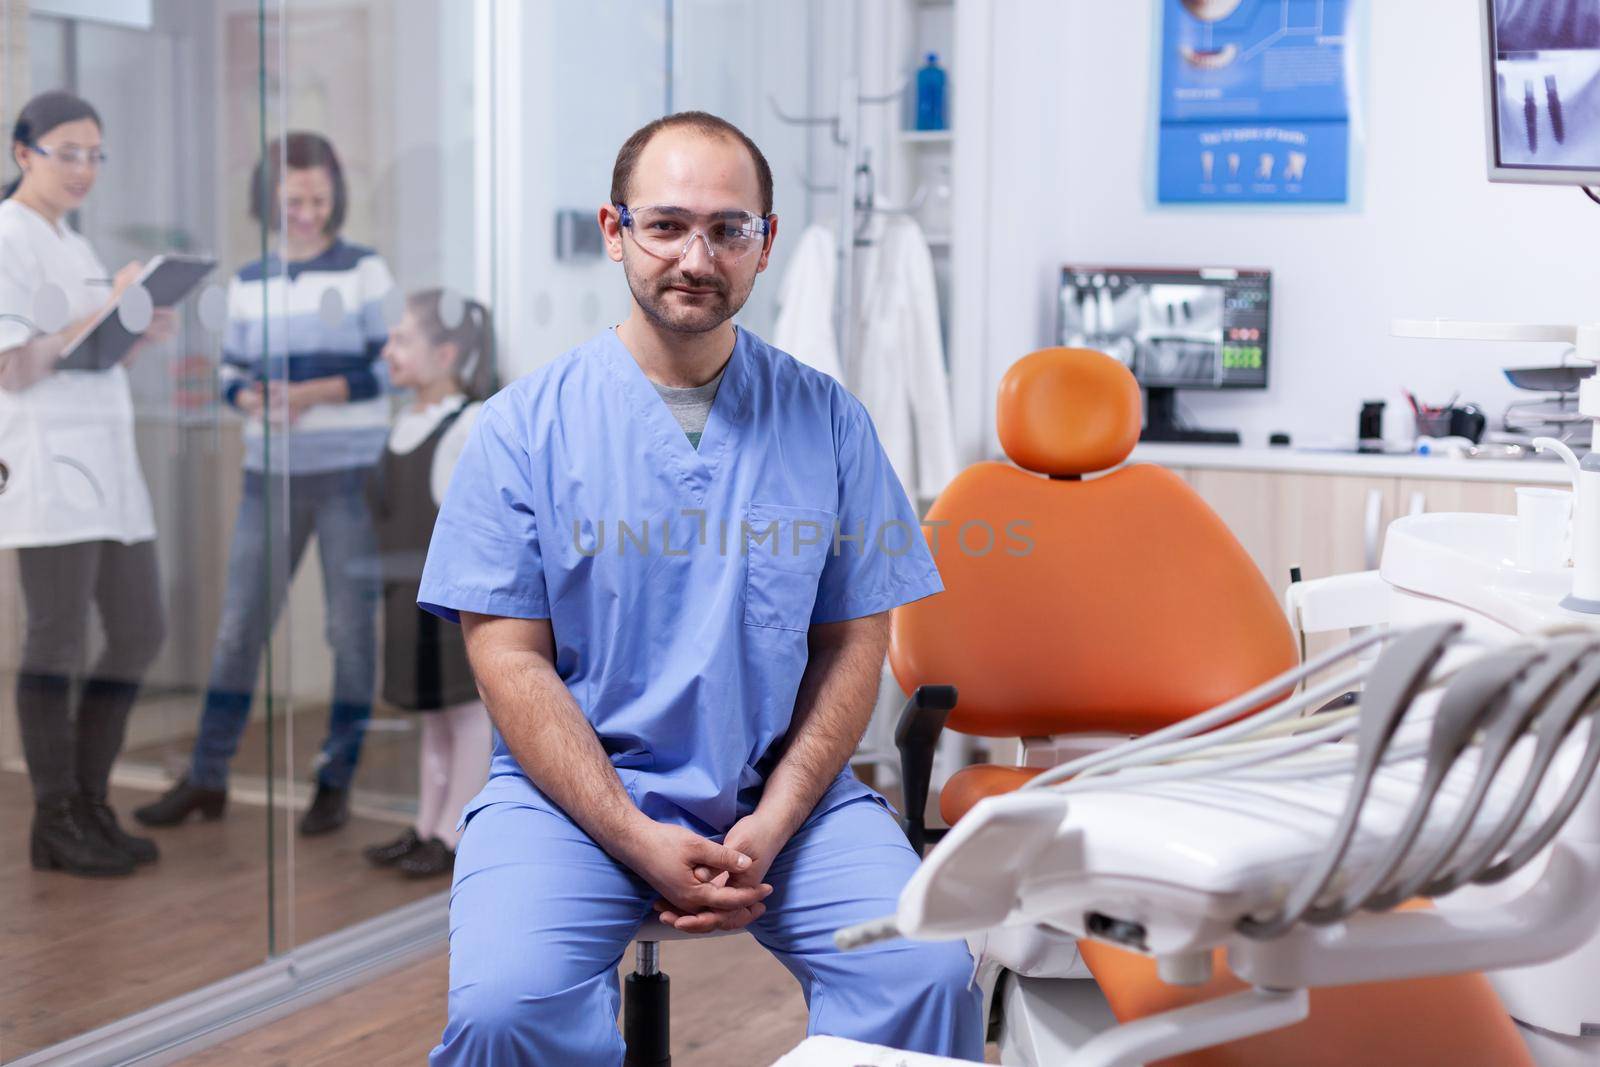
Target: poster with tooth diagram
{"x": 1255, "y": 102}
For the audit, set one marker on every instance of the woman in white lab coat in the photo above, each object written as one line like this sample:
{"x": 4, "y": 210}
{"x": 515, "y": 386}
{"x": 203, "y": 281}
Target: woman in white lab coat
{"x": 73, "y": 500}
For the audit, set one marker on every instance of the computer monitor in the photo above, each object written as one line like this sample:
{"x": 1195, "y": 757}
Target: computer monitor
{"x": 1542, "y": 70}
{"x": 1175, "y": 328}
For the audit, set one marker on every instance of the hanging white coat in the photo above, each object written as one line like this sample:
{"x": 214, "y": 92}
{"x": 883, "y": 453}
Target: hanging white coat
{"x": 806, "y": 303}
{"x": 899, "y": 370}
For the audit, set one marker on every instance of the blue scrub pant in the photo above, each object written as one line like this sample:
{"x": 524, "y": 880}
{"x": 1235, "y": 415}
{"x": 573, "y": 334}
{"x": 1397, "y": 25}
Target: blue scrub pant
{"x": 540, "y": 917}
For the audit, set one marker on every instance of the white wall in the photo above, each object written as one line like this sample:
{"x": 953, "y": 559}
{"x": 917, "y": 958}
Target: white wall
{"x": 1070, "y": 114}
{"x": 579, "y": 87}
{"x": 726, "y": 60}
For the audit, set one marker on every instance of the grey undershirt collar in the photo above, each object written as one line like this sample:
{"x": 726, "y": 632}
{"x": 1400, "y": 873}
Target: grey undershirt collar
{"x": 691, "y": 406}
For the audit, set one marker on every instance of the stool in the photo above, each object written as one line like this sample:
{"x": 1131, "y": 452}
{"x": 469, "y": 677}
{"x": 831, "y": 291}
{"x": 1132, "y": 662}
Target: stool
{"x": 647, "y": 996}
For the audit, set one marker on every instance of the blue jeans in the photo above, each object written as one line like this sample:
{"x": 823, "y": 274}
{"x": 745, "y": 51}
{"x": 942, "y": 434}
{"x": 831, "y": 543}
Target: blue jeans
{"x": 333, "y": 506}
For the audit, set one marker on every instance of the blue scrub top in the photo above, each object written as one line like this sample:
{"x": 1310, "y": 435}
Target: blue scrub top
{"x": 679, "y": 583}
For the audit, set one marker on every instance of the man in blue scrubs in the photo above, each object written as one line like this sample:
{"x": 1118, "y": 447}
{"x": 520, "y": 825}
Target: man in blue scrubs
{"x": 673, "y": 550}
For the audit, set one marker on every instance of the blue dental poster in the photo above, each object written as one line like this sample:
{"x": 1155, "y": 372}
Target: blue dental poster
{"x": 1255, "y": 102}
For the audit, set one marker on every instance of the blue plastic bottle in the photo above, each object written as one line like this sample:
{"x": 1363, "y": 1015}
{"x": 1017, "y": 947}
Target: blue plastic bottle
{"x": 930, "y": 95}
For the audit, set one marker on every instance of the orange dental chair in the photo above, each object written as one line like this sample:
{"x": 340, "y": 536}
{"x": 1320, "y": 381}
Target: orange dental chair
{"x": 1126, "y": 605}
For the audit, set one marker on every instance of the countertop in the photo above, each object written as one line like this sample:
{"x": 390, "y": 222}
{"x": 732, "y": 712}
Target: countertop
{"x": 1540, "y": 471}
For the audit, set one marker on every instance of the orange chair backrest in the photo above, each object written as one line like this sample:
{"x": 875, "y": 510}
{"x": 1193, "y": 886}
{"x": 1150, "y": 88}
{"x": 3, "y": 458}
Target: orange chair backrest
{"x": 1120, "y": 603}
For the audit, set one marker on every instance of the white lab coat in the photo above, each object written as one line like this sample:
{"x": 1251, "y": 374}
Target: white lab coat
{"x": 899, "y": 370}
{"x": 66, "y": 442}
{"x": 805, "y": 303}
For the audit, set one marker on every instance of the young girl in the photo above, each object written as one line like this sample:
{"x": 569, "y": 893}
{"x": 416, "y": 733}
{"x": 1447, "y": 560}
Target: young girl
{"x": 443, "y": 349}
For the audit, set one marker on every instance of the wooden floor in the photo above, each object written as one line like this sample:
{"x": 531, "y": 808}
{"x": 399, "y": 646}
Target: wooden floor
{"x": 77, "y": 953}
{"x": 733, "y": 1005}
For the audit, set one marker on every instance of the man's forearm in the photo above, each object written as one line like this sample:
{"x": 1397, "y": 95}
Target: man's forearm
{"x": 834, "y": 704}
{"x": 555, "y": 745}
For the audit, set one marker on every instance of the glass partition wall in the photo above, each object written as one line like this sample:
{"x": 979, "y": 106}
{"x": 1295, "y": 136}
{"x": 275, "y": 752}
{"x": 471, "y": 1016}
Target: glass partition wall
{"x": 205, "y": 541}
{"x": 370, "y": 139}
{"x": 118, "y": 502}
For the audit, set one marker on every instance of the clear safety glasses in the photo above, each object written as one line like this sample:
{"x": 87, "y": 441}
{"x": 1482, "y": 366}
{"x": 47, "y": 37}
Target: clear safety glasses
{"x": 72, "y": 155}
{"x": 667, "y": 232}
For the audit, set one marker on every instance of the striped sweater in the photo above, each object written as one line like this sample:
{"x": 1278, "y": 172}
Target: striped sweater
{"x": 319, "y": 318}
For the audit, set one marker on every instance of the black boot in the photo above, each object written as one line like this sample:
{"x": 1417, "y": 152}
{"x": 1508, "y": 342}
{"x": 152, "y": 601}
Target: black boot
{"x": 329, "y": 810}
{"x": 178, "y": 802}
{"x": 433, "y": 858}
{"x": 104, "y": 820}
{"x": 392, "y": 852}
{"x": 65, "y": 840}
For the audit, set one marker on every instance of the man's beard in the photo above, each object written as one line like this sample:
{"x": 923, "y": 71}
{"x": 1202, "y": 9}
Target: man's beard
{"x": 706, "y": 314}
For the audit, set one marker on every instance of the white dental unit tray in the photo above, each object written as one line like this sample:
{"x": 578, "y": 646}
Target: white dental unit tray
{"x": 1288, "y": 839}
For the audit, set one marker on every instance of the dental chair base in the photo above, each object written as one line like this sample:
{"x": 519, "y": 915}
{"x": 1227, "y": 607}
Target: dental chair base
{"x": 1047, "y": 1020}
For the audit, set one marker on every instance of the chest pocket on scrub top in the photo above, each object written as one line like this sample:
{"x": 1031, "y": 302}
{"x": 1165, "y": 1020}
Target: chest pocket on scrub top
{"x": 785, "y": 549}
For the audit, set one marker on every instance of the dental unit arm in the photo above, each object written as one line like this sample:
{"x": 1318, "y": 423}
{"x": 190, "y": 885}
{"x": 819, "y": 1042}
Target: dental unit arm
{"x": 1285, "y": 838}
{"x": 1585, "y": 595}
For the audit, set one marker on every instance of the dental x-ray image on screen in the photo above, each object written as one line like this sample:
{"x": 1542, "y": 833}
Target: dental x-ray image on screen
{"x": 1174, "y": 327}
{"x": 1180, "y": 335}
{"x": 1101, "y": 316}
{"x": 1544, "y": 90}
{"x": 1168, "y": 334}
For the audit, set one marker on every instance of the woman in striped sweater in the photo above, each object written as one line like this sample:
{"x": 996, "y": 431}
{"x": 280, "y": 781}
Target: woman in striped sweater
{"x": 303, "y": 352}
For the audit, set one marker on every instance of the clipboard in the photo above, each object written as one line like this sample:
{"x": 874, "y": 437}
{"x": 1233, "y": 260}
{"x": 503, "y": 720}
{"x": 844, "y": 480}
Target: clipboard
{"x": 168, "y": 278}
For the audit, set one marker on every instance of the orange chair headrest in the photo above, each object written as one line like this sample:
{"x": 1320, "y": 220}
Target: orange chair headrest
{"x": 1068, "y": 411}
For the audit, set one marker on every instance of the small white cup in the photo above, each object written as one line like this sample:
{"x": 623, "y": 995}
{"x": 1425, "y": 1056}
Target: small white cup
{"x": 1544, "y": 528}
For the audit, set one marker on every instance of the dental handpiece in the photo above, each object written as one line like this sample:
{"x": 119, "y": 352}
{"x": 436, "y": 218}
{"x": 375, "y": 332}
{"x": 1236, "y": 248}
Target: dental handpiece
{"x": 1139, "y": 749}
{"x": 1537, "y": 842}
{"x": 1560, "y": 715}
{"x": 1399, "y": 675}
{"x": 1467, "y": 701}
{"x": 1511, "y": 721}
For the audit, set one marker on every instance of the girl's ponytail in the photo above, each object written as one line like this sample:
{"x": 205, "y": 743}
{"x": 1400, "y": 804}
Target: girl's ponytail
{"x": 473, "y": 336}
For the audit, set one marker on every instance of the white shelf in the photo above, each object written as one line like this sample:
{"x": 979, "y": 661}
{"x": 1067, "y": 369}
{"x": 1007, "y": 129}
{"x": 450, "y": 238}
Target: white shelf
{"x": 927, "y": 136}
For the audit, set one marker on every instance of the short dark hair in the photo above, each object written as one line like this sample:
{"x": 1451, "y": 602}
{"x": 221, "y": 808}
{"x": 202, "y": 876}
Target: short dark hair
{"x": 701, "y": 122}
{"x": 41, "y": 115}
{"x": 297, "y": 150}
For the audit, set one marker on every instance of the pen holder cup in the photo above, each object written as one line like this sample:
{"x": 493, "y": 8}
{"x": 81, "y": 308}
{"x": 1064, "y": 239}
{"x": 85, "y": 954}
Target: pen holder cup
{"x": 1433, "y": 424}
